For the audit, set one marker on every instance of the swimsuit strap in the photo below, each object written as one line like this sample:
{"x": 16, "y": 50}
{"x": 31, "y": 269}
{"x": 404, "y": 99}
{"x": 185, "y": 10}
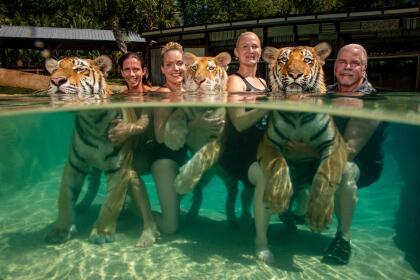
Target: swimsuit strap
{"x": 249, "y": 86}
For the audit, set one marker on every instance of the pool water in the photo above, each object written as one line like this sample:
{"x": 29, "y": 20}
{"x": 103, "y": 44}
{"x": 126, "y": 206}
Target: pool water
{"x": 35, "y": 136}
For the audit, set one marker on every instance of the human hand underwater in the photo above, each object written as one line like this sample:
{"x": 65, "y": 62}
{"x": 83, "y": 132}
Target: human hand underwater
{"x": 120, "y": 132}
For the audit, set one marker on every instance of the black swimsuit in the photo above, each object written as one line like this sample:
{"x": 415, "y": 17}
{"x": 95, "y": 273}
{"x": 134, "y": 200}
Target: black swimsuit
{"x": 241, "y": 147}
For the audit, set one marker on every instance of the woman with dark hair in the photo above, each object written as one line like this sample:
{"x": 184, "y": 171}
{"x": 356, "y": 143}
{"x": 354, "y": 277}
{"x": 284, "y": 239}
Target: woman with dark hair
{"x": 134, "y": 71}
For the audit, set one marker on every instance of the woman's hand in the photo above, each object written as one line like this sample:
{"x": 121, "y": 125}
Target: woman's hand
{"x": 120, "y": 132}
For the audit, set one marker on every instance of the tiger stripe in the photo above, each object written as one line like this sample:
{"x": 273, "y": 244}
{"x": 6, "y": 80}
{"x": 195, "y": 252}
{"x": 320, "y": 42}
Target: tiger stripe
{"x": 90, "y": 148}
{"x": 299, "y": 69}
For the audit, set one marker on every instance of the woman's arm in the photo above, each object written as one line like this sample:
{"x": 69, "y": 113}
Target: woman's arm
{"x": 240, "y": 118}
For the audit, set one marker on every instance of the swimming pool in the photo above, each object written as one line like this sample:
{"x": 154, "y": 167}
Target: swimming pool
{"x": 35, "y": 136}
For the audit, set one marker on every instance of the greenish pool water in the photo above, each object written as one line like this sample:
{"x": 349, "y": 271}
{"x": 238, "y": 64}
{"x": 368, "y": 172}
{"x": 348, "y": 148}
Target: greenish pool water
{"x": 35, "y": 134}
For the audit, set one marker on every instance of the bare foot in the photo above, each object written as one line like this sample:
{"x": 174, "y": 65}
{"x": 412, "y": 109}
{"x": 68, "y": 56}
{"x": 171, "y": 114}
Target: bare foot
{"x": 148, "y": 237}
{"x": 264, "y": 254}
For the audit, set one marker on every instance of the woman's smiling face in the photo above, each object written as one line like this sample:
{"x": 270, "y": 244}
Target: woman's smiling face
{"x": 132, "y": 72}
{"x": 248, "y": 49}
{"x": 173, "y": 67}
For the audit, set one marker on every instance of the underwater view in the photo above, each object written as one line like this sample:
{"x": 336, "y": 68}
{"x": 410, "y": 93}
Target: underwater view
{"x": 36, "y": 135}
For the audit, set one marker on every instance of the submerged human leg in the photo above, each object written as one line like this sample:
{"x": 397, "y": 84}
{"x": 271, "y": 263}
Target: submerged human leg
{"x": 140, "y": 198}
{"x": 339, "y": 251}
{"x": 261, "y": 215}
{"x": 164, "y": 172}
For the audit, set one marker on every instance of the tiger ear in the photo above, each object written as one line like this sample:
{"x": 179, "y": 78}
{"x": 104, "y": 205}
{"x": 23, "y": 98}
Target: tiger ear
{"x": 51, "y": 64}
{"x": 323, "y": 50}
{"x": 104, "y": 63}
{"x": 223, "y": 59}
{"x": 188, "y": 58}
{"x": 269, "y": 54}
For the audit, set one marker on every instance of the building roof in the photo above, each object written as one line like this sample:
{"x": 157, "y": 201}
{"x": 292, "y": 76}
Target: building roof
{"x": 20, "y": 36}
{"x": 286, "y": 20}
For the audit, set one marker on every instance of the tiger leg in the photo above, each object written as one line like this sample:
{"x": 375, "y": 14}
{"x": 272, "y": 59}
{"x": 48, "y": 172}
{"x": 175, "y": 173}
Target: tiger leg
{"x": 191, "y": 172}
{"x": 247, "y": 195}
{"x": 231, "y": 184}
{"x": 278, "y": 189}
{"x": 324, "y": 185}
{"x": 196, "y": 201}
{"x": 94, "y": 181}
{"x": 64, "y": 228}
{"x": 104, "y": 229}
{"x": 197, "y": 197}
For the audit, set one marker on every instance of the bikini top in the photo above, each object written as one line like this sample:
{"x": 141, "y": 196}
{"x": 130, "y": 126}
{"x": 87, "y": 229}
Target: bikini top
{"x": 250, "y": 87}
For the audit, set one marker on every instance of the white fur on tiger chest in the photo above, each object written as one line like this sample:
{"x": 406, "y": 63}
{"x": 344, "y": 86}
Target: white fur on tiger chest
{"x": 300, "y": 127}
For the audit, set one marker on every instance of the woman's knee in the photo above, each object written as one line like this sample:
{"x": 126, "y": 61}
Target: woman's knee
{"x": 255, "y": 174}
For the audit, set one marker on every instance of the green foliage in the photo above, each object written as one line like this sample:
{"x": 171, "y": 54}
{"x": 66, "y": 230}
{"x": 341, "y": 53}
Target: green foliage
{"x": 210, "y": 11}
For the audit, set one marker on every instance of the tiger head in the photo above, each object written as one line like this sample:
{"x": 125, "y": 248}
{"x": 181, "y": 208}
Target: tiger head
{"x": 206, "y": 74}
{"x": 85, "y": 78}
{"x": 297, "y": 69}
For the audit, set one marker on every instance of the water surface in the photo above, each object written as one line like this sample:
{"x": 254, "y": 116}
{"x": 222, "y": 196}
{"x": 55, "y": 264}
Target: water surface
{"x": 35, "y": 135}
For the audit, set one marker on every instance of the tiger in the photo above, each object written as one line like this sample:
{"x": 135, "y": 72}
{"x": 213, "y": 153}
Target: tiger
{"x": 299, "y": 70}
{"x": 90, "y": 147}
{"x": 205, "y": 77}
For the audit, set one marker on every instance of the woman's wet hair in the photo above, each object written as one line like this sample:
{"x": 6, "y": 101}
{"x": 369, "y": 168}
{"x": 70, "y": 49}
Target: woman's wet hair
{"x": 246, "y": 34}
{"x": 171, "y": 46}
{"x": 128, "y": 55}
{"x": 140, "y": 58}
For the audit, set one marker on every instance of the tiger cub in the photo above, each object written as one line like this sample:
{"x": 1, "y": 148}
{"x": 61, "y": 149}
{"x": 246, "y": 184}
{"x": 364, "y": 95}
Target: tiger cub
{"x": 90, "y": 147}
{"x": 204, "y": 76}
{"x": 299, "y": 70}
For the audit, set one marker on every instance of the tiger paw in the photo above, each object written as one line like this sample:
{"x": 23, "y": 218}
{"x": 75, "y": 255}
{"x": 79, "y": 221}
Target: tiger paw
{"x": 320, "y": 211}
{"x": 181, "y": 187}
{"x": 175, "y": 140}
{"x": 183, "y": 184}
{"x": 102, "y": 237}
{"x": 60, "y": 235}
{"x": 278, "y": 193}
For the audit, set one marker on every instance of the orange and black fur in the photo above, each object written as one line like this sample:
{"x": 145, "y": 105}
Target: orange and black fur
{"x": 299, "y": 70}
{"x": 90, "y": 147}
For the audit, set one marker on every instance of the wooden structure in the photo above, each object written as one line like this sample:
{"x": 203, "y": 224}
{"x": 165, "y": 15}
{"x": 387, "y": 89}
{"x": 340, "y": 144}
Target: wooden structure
{"x": 52, "y": 38}
{"x": 389, "y": 35}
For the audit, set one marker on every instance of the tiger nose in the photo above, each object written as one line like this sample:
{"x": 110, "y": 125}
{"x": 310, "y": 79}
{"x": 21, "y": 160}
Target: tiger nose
{"x": 295, "y": 74}
{"x": 199, "y": 80}
{"x": 58, "y": 80}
